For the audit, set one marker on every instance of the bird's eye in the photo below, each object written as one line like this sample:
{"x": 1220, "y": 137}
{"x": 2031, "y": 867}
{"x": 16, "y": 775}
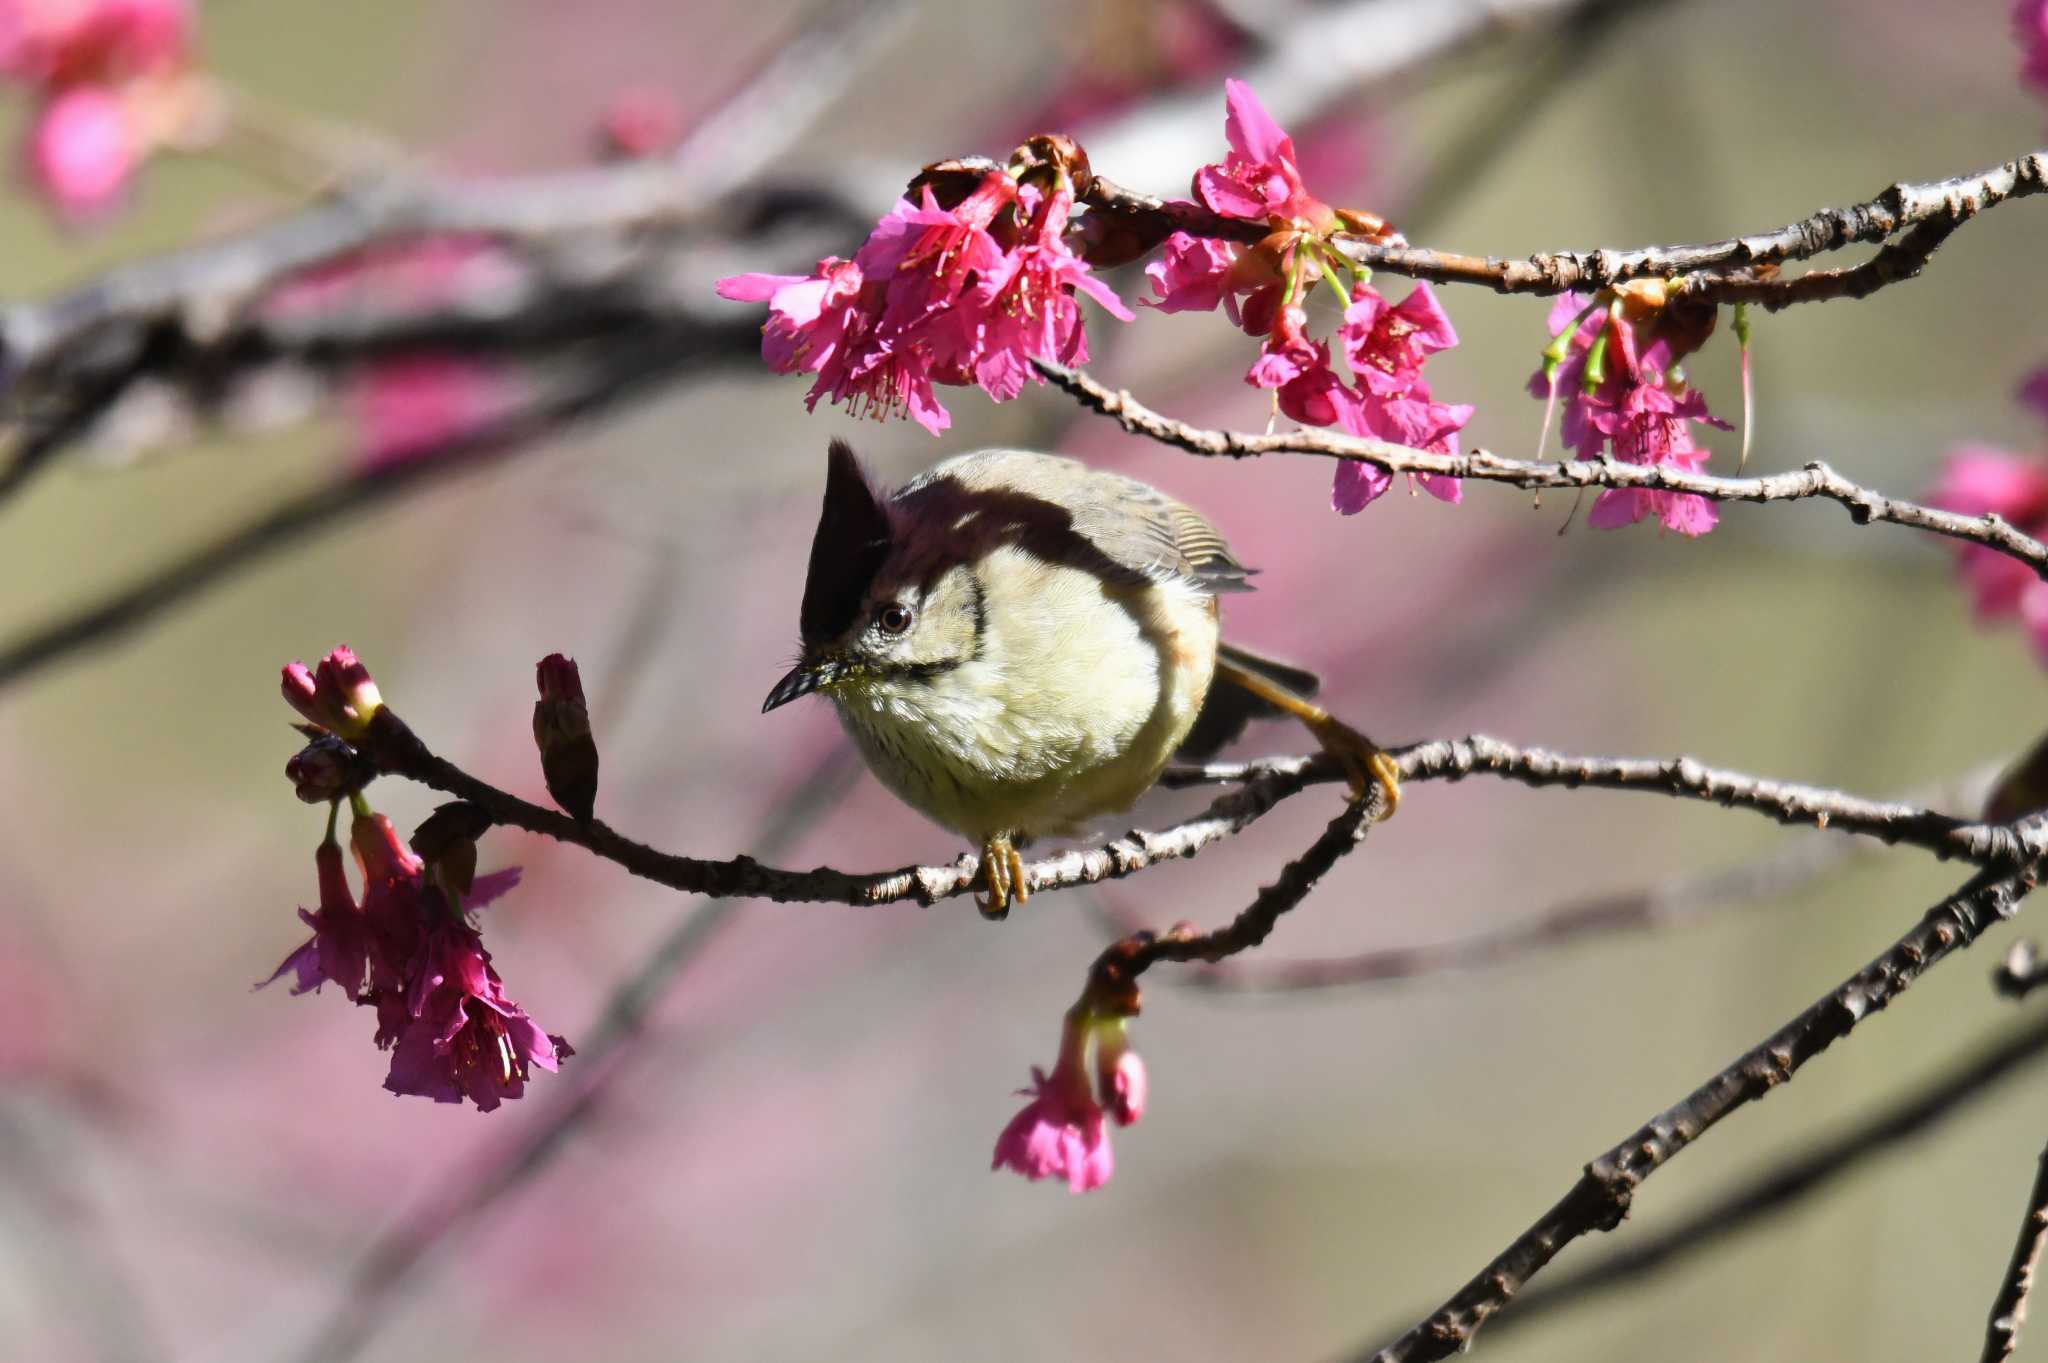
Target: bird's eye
{"x": 894, "y": 618}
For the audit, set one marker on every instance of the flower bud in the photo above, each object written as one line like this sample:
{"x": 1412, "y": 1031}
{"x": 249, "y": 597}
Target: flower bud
{"x": 561, "y": 730}
{"x": 327, "y": 769}
{"x": 1119, "y": 1073}
{"x": 338, "y": 695}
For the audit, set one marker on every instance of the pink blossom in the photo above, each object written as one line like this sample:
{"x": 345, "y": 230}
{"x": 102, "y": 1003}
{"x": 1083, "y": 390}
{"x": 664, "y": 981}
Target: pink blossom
{"x": 83, "y": 149}
{"x": 1635, "y": 409}
{"x": 1259, "y": 179}
{"x": 52, "y": 43}
{"x": 460, "y": 1036}
{"x": 1978, "y": 480}
{"x": 934, "y": 297}
{"x": 1192, "y": 274}
{"x": 1386, "y": 344}
{"x": 407, "y": 952}
{"x": 99, "y": 69}
{"x": 1061, "y": 1133}
{"x": 1650, "y": 426}
{"x": 1288, "y": 354}
{"x": 1034, "y": 313}
{"x": 1413, "y": 419}
{"x": 339, "y": 696}
{"x": 338, "y": 952}
{"x": 2030, "y": 29}
{"x": 808, "y": 315}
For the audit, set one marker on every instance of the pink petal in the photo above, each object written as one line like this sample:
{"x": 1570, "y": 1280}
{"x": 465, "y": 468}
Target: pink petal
{"x": 1251, "y": 131}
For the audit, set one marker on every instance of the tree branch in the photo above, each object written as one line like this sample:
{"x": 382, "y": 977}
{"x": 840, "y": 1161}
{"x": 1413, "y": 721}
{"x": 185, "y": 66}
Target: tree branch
{"x": 1735, "y": 269}
{"x": 1748, "y": 1203}
{"x": 1816, "y": 479}
{"x": 1601, "y": 1197}
{"x": 2009, "y": 1309}
{"x": 624, "y": 375}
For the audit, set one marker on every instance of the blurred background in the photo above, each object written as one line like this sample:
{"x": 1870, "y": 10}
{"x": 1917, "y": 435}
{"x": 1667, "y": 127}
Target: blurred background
{"x": 780, "y": 1148}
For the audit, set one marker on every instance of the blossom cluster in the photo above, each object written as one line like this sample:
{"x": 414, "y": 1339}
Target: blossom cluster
{"x": 962, "y": 295}
{"x": 109, "y": 80}
{"x": 1063, "y": 1132}
{"x": 1979, "y": 480}
{"x": 1615, "y": 358}
{"x": 1265, "y": 289}
{"x": 407, "y": 948}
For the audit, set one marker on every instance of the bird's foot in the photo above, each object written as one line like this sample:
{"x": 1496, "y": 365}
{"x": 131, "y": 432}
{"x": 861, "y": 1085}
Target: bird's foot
{"x": 1002, "y": 873}
{"x": 1365, "y": 763}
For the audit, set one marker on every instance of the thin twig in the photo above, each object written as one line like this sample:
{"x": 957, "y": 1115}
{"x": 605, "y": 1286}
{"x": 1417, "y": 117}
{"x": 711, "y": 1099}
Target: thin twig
{"x": 1604, "y": 1192}
{"x": 2009, "y": 1309}
{"x": 1785, "y": 802}
{"x": 1114, "y": 976}
{"x": 1750, "y": 1203}
{"x": 1675, "y": 900}
{"x": 1816, "y": 479}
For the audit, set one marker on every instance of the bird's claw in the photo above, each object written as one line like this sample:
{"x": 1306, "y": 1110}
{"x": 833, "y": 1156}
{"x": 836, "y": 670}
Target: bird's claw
{"x": 1365, "y": 763}
{"x": 1002, "y": 873}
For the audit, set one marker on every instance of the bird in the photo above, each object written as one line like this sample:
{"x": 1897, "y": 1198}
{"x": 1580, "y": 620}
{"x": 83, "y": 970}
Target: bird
{"x": 1018, "y": 643}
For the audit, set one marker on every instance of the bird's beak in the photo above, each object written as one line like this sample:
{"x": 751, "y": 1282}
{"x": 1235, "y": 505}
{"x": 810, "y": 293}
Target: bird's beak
{"x": 803, "y": 679}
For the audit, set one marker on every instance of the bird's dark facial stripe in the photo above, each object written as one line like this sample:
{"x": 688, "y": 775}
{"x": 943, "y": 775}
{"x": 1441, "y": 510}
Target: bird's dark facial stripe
{"x": 920, "y": 671}
{"x": 978, "y": 604}
{"x": 852, "y": 543}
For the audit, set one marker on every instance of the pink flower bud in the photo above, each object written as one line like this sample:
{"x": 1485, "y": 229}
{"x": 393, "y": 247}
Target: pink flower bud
{"x": 640, "y": 123}
{"x": 338, "y": 696}
{"x": 1119, "y": 1074}
{"x": 561, "y": 731}
{"x": 83, "y": 150}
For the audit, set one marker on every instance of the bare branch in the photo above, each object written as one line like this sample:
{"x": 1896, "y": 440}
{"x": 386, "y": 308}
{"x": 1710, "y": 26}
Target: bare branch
{"x": 1751, "y": 1202}
{"x": 2009, "y": 1309}
{"x": 1602, "y": 1195}
{"x": 1783, "y": 801}
{"x": 1816, "y": 479}
{"x": 1736, "y": 269}
{"x": 1115, "y": 973}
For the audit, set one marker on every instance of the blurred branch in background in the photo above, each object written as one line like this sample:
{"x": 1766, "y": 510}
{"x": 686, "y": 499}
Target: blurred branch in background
{"x": 1602, "y": 1196}
{"x": 591, "y": 267}
{"x": 77, "y": 1259}
{"x": 614, "y": 375}
{"x": 595, "y": 250}
{"x": 1751, "y": 1203}
{"x": 1815, "y": 479}
{"x": 395, "y": 1264}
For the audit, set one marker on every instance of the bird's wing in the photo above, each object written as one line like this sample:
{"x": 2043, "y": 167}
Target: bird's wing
{"x": 1145, "y": 530}
{"x": 1112, "y": 524}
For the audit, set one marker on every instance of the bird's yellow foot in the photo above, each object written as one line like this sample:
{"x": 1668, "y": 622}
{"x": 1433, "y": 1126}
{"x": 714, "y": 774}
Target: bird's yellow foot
{"x": 1002, "y": 872}
{"x": 1364, "y": 761}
